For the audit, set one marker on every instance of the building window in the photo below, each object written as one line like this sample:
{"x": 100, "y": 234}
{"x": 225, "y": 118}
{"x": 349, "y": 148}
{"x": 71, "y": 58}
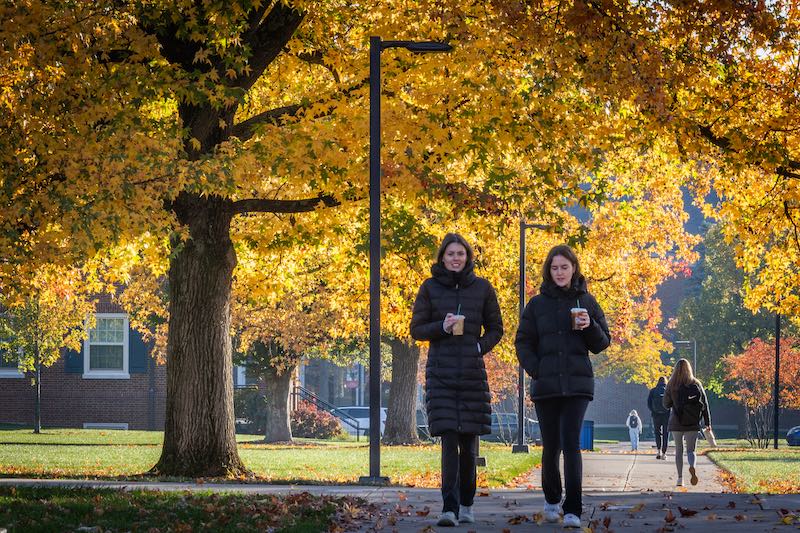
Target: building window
{"x": 9, "y": 368}
{"x": 105, "y": 351}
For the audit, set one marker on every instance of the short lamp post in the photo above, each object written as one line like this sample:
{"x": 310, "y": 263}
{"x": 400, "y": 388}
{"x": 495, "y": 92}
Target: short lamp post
{"x": 693, "y": 344}
{"x": 520, "y": 446}
{"x": 376, "y": 45}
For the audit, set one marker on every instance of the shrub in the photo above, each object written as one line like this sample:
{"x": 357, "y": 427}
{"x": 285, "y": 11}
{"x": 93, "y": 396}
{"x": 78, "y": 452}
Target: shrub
{"x": 249, "y": 411}
{"x": 313, "y": 423}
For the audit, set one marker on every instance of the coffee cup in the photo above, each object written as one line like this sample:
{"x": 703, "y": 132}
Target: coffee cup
{"x": 458, "y": 325}
{"x": 575, "y": 313}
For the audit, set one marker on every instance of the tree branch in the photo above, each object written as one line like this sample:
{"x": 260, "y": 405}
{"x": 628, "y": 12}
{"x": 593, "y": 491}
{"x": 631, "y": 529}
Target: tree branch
{"x": 268, "y": 40}
{"x": 258, "y": 205}
{"x": 246, "y": 129}
{"x": 787, "y": 171}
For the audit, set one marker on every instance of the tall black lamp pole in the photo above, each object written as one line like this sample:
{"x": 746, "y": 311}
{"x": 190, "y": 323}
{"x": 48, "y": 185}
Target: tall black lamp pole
{"x": 777, "y": 376}
{"x": 376, "y": 45}
{"x": 520, "y": 446}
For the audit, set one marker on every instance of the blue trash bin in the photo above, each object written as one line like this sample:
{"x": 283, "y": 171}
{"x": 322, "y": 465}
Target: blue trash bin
{"x": 587, "y": 435}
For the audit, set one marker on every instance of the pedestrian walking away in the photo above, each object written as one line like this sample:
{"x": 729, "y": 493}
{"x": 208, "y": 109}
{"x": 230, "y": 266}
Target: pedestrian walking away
{"x": 634, "y": 424}
{"x": 660, "y": 416}
{"x": 557, "y": 330}
{"x": 687, "y": 399}
{"x": 458, "y": 313}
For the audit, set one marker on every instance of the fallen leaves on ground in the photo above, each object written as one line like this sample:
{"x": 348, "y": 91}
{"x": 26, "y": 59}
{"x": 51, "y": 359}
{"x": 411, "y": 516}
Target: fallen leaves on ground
{"x": 66, "y": 509}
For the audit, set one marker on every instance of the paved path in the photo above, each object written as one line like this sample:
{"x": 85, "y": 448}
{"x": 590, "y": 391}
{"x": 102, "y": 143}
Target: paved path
{"x": 628, "y": 492}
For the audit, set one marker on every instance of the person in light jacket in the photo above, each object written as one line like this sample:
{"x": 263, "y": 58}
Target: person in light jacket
{"x": 553, "y": 348}
{"x": 457, "y": 397}
{"x": 634, "y": 424}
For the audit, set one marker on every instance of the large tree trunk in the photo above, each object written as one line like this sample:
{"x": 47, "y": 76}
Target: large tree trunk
{"x": 278, "y": 385}
{"x": 401, "y": 423}
{"x": 199, "y": 434}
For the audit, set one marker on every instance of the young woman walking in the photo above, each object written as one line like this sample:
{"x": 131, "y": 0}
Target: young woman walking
{"x": 687, "y": 399}
{"x": 558, "y": 329}
{"x": 458, "y": 313}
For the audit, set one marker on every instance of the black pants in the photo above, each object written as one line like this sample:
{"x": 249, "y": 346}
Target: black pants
{"x": 560, "y": 421}
{"x": 459, "y": 477}
{"x": 660, "y": 429}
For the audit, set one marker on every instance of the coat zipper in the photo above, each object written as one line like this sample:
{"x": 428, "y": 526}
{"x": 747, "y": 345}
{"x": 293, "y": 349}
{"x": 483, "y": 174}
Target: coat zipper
{"x": 460, "y": 365}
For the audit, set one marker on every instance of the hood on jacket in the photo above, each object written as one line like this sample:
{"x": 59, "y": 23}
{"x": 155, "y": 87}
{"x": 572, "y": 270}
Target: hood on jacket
{"x": 449, "y": 278}
{"x": 578, "y": 288}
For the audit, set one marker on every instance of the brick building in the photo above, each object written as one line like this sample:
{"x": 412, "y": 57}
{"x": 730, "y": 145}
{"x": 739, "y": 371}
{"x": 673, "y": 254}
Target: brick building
{"x": 111, "y": 382}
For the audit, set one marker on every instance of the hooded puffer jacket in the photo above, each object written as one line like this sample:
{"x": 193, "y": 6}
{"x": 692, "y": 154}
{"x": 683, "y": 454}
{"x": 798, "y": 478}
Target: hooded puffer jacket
{"x": 456, "y": 388}
{"x": 554, "y": 355}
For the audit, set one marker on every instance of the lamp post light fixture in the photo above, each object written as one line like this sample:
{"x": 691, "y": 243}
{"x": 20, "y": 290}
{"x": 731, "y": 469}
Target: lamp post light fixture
{"x": 520, "y": 446}
{"x": 693, "y": 344}
{"x": 376, "y": 45}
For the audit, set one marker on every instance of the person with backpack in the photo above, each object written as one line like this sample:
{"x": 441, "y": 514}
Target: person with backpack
{"x": 634, "y": 424}
{"x": 660, "y": 416}
{"x": 557, "y": 330}
{"x": 687, "y": 398}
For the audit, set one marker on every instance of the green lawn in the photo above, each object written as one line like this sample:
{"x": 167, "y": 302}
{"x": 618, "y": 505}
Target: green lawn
{"x": 35, "y": 510}
{"x": 754, "y": 470}
{"x": 120, "y": 454}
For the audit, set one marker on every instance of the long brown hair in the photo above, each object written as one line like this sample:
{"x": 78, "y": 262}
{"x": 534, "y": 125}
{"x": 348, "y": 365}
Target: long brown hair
{"x": 567, "y": 253}
{"x": 681, "y": 375}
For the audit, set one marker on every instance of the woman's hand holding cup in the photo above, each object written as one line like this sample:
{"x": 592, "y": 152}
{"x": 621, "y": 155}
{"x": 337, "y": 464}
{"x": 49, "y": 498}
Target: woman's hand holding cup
{"x": 580, "y": 318}
{"x": 449, "y": 320}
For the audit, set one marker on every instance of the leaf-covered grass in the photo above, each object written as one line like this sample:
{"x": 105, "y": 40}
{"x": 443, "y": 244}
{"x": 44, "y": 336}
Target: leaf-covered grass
{"x": 127, "y": 454}
{"x": 760, "y": 471}
{"x": 32, "y": 510}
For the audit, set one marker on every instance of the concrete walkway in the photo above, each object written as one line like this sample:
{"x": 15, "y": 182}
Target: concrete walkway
{"x": 622, "y": 492}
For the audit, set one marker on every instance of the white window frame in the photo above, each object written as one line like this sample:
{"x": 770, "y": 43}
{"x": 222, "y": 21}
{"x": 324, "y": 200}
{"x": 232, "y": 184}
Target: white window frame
{"x": 241, "y": 376}
{"x": 108, "y": 374}
{"x": 11, "y": 372}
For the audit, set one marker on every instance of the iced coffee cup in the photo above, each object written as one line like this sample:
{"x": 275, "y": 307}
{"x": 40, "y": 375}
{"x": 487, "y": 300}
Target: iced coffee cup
{"x": 575, "y": 313}
{"x": 458, "y": 325}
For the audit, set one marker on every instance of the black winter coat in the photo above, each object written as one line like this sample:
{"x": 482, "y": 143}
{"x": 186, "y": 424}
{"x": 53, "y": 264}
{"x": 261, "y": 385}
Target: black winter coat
{"x": 655, "y": 401}
{"x": 456, "y": 388}
{"x": 554, "y": 355}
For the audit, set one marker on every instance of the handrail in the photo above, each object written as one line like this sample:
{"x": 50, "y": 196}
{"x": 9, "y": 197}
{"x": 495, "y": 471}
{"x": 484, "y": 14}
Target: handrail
{"x": 309, "y": 396}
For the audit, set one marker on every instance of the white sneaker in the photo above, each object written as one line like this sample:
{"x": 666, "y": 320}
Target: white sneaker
{"x": 679, "y": 483}
{"x": 465, "y": 515}
{"x": 551, "y": 512}
{"x": 447, "y": 519}
{"x": 570, "y": 520}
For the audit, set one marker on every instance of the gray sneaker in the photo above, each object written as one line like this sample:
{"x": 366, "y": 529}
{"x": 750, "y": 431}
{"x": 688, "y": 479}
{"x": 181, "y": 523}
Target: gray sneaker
{"x": 551, "y": 512}
{"x": 571, "y": 520}
{"x": 447, "y": 519}
{"x": 465, "y": 515}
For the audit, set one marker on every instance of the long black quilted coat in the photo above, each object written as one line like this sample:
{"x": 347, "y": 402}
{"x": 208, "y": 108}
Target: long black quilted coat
{"x": 456, "y": 389}
{"x": 551, "y": 352}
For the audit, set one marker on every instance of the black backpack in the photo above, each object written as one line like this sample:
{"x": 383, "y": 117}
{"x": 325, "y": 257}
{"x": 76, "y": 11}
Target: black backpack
{"x": 633, "y": 422}
{"x": 658, "y": 402}
{"x": 689, "y": 404}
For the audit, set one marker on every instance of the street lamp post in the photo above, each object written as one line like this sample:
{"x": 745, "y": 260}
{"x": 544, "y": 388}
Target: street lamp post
{"x": 777, "y": 377}
{"x": 520, "y": 446}
{"x": 376, "y": 45}
{"x": 693, "y": 344}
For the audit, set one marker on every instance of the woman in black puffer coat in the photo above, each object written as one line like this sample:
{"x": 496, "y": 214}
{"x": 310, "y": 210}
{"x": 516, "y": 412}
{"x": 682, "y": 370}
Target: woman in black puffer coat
{"x": 554, "y": 351}
{"x": 456, "y": 387}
